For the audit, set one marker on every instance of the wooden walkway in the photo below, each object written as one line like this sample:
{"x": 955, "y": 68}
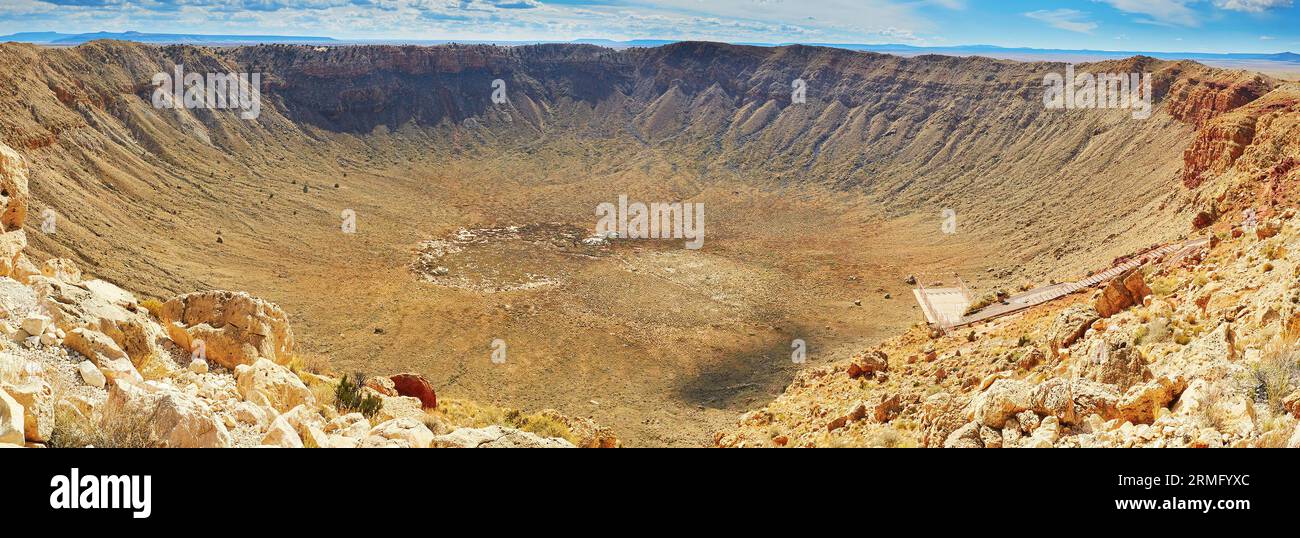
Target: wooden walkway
{"x": 1037, "y": 296}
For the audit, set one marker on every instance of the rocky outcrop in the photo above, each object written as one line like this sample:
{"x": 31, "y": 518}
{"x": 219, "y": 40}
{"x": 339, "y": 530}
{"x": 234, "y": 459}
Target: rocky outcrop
{"x": 1069, "y": 326}
{"x": 11, "y": 419}
{"x": 268, "y": 384}
{"x": 175, "y": 419}
{"x": 1197, "y": 99}
{"x": 96, "y": 305}
{"x": 868, "y": 364}
{"x": 37, "y": 401}
{"x": 234, "y": 327}
{"x": 13, "y": 192}
{"x": 1122, "y": 292}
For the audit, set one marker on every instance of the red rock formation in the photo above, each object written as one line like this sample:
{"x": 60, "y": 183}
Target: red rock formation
{"x": 1216, "y": 147}
{"x": 1197, "y": 101}
{"x": 416, "y": 386}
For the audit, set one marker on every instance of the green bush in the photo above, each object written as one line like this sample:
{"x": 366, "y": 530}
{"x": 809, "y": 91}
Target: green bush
{"x": 350, "y": 398}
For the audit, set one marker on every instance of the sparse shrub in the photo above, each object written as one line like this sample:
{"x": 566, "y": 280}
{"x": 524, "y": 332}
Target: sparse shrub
{"x": 1274, "y": 377}
{"x": 1164, "y": 286}
{"x": 349, "y": 396}
{"x": 129, "y": 427}
{"x": 314, "y": 364}
{"x": 326, "y": 394}
{"x": 887, "y": 438}
{"x": 540, "y": 425}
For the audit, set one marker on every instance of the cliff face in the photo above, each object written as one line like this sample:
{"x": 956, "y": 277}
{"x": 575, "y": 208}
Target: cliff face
{"x": 1248, "y": 156}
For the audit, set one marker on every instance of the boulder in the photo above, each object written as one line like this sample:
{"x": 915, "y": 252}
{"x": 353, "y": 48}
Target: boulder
{"x": 399, "y": 407}
{"x": 886, "y": 408}
{"x": 868, "y": 364}
{"x": 282, "y": 434}
{"x": 35, "y": 324}
{"x": 1114, "y": 364}
{"x": 416, "y": 386}
{"x": 236, "y": 328}
{"x": 408, "y": 431}
{"x": 1054, "y": 399}
{"x": 1214, "y": 346}
{"x": 24, "y": 269}
{"x": 941, "y": 414}
{"x": 382, "y": 386}
{"x": 268, "y": 384}
{"x": 61, "y": 269}
{"x": 103, "y": 352}
{"x": 1092, "y": 398}
{"x": 176, "y": 419}
{"x": 102, "y": 307}
{"x": 13, "y": 189}
{"x": 352, "y": 425}
{"x": 1194, "y": 400}
{"x": 91, "y": 374}
{"x": 1122, "y": 292}
{"x": 37, "y": 399}
{"x": 11, "y": 249}
{"x": 11, "y": 419}
{"x": 253, "y": 414}
{"x": 496, "y": 436}
{"x": 1004, "y": 399}
{"x": 1140, "y": 404}
{"x": 968, "y": 436}
{"x": 1069, "y": 326}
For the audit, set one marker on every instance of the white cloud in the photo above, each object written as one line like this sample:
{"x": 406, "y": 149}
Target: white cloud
{"x": 1160, "y": 12}
{"x": 1065, "y": 19}
{"x": 1252, "y": 6}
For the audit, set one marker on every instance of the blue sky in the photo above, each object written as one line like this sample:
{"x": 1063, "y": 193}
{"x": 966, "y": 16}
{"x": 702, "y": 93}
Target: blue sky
{"x": 1146, "y": 25}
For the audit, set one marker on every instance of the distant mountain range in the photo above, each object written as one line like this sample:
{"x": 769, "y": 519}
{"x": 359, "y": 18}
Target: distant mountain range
{"x": 56, "y": 38}
{"x": 62, "y": 39}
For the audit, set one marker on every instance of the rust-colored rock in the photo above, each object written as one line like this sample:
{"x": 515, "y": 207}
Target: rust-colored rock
{"x": 416, "y": 386}
{"x": 1124, "y": 291}
{"x": 868, "y": 364}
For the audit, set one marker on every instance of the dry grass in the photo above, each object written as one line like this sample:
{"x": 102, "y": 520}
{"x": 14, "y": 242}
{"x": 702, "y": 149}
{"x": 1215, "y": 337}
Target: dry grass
{"x": 154, "y": 306}
{"x": 154, "y": 367}
{"x": 316, "y": 364}
{"x": 121, "y": 428}
{"x": 1275, "y": 376}
{"x": 465, "y": 414}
